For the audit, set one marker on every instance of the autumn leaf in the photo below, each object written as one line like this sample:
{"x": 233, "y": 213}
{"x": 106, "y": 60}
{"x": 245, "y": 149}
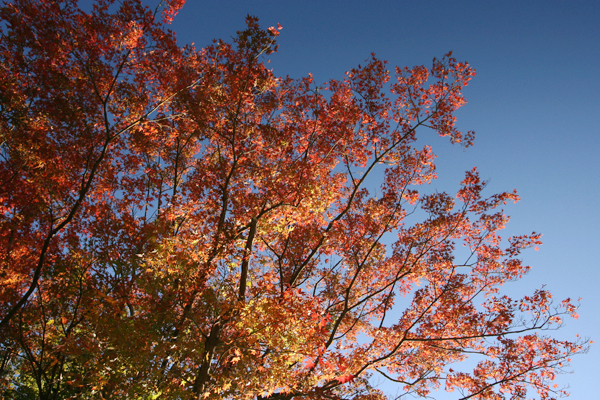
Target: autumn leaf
{"x": 180, "y": 222}
{"x": 345, "y": 378}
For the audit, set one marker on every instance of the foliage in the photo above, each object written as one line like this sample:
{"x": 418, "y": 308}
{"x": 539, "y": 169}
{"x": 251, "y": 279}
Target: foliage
{"x": 181, "y": 223}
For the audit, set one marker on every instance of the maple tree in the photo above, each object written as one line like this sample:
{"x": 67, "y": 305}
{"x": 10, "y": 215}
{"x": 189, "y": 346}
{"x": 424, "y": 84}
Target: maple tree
{"x": 181, "y": 223}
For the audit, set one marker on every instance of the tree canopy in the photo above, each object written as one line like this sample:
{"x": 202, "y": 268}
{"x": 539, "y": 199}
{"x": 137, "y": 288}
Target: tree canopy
{"x": 181, "y": 223}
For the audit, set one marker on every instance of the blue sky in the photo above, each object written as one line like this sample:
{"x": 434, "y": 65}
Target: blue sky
{"x": 534, "y": 105}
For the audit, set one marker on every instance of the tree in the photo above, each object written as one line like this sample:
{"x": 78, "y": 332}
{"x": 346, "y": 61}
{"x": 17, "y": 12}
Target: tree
{"x": 181, "y": 223}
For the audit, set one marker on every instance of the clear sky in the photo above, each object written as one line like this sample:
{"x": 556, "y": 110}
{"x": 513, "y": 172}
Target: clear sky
{"x": 534, "y": 105}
